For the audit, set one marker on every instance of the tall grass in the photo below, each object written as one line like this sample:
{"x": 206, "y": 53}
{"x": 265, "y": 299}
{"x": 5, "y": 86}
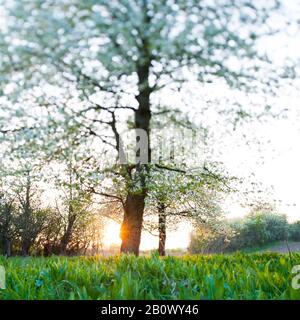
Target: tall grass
{"x": 237, "y": 276}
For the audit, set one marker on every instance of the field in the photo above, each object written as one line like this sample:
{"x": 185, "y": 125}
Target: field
{"x": 238, "y": 276}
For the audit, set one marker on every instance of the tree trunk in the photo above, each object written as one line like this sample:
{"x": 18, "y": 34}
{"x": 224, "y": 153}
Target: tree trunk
{"x": 71, "y": 221}
{"x": 162, "y": 222}
{"x": 26, "y": 244}
{"x": 64, "y": 243}
{"x": 26, "y": 218}
{"x": 7, "y": 247}
{"x": 131, "y": 228}
{"x": 66, "y": 237}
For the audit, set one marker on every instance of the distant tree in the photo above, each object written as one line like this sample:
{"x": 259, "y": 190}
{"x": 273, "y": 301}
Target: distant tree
{"x": 48, "y": 242}
{"x": 7, "y": 216}
{"x": 84, "y": 236}
{"x": 294, "y": 231}
{"x": 179, "y": 196}
{"x": 74, "y": 203}
{"x": 77, "y": 211}
{"x": 87, "y": 235}
{"x": 256, "y": 229}
{"x": 31, "y": 219}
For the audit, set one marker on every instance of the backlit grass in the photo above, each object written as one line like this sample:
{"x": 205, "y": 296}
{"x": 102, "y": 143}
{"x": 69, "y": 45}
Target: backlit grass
{"x": 237, "y": 276}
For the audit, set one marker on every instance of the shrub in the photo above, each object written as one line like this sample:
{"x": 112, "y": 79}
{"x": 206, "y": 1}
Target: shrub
{"x": 256, "y": 229}
{"x": 294, "y": 231}
{"x": 261, "y": 228}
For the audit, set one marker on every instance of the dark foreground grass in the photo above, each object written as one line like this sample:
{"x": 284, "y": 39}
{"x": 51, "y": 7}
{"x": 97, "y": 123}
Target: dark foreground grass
{"x": 237, "y": 276}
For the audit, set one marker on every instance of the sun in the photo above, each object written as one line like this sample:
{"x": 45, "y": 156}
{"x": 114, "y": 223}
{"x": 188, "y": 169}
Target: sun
{"x": 111, "y": 234}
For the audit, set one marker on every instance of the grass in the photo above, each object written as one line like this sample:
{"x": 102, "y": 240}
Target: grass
{"x": 237, "y": 276}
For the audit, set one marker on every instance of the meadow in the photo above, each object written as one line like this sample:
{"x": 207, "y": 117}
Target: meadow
{"x": 236, "y": 276}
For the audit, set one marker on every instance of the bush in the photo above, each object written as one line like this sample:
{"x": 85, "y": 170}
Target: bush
{"x": 261, "y": 228}
{"x": 294, "y": 231}
{"x": 256, "y": 229}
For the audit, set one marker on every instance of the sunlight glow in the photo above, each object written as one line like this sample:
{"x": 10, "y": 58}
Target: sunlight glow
{"x": 176, "y": 239}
